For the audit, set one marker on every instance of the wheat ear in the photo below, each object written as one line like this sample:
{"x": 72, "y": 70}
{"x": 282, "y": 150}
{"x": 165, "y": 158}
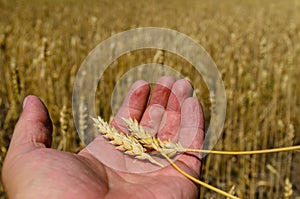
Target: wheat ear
{"x": 169, "y": 148}
{"x": 148, "y": 141}
{"x": 141, "y": 141}
{"x": 288, "y": 189}
{"x": 145, "y": 141}
{"x": 262, "y": 151}
{"x": 128, "y": 144}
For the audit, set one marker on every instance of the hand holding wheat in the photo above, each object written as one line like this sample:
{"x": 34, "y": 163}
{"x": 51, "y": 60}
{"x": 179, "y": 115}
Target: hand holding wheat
{"x": 171, "y": 114}
{"x": 34, "y": 171}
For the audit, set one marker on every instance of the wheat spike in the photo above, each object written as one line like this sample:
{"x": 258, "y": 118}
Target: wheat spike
{"x": 148, "y": 141}
{"x": 64, "y": 124}
{"x": 231, "y": 191}
{"x": 15, "y": 77}
{"x": 159, "y": 57}
{"x": 129, "y": 144}
{"x": 140, "y": 141}
{"x": 288, "y": 188}
{"x": 82, "y": 120}
{"x": 15, "y": 97}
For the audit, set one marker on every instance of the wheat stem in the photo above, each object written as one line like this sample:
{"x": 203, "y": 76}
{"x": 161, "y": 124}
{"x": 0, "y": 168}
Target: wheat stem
{"x": 199, "y": 181}
{"x": 141, "y": 141}
{"x": 263, "y": 151}
{"x": 170, "y": 149}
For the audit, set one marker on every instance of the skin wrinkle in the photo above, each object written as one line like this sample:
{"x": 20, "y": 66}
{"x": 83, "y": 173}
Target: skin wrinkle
{"x": 174, "y": 174}
{"x": 89, "y": 171}
{"x": 152, "y": 115}
{"x": 192, "y": 106}
{"x": 161, "y": 183}
{"x": 116, "y": 158}
{"x": 122, "y": 177}
{"x": 170, "y": 119}
{"x": 157, "y": 103}
{"x": 132, "y": 107}
{"x": 135, "y": 193}
{"x": 160, "y": 96}
{"x": 42, "y": 124}
{"x": 187, "y": 135}
{"x": 142, "y": 92}
{"x": 29, "y": 137}
{"x": 42, "y": 137}
{"x": 181, "y": 90}
{"x": 187, "y": 93}
{"x": 45, "y": 151}
{"x": 89, "y": 160}
{"x": 17, "y": 173}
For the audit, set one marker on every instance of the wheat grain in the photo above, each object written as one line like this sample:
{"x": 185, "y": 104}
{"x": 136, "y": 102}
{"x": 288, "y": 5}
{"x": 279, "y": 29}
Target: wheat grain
{"x": 82, "y": 120}
{"x": 64, "y": 124}
{"x": 288, "y": 189}
{"x": 169, "y": 148}
{"x": 128, "y": 144}
{"x": 232, "y": 42}
{"x": 15, "y": 98}
{"x": 159, "y": 57}
{"x": 15, "y": 77}
{"x": 141, "y": 141}
{"x": 150, "y": 142}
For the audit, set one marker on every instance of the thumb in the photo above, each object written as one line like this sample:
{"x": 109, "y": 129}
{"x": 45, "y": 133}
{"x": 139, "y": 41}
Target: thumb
{"x": 34, "y": 128}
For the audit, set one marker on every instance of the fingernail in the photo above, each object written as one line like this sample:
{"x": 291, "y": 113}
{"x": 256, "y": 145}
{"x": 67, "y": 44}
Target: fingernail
{"x": 24, "y": 102}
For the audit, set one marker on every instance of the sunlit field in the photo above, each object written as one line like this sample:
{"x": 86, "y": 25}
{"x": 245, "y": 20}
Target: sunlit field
{"x": 255, "y": 45}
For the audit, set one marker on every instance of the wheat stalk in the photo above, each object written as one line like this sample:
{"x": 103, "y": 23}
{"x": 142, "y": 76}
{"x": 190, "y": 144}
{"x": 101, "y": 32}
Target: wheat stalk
{"x": 141, "y": 141}
{"x": 199, "y": 181}
{"x": 231, "y": 191}
{"x": 169, "y": 148}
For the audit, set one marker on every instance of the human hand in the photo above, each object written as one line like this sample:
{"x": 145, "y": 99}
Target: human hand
{"x": 33, "y": 170}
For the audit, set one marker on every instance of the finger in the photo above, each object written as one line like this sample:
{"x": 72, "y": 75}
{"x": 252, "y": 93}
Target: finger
{"x": 133, "y": 105}
{"x": 169, "y": 126}
{"x": 181, "y": 90}
{"x": 162, "y": 90}
{"x": 153, "y": 114}
{"x": 191, "y": 131}
{"x": 34, "y": 128}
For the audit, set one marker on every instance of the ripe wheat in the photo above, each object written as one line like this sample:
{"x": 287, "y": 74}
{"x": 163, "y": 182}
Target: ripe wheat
{"x": 288, "y": 189}
{"x": 150, "y": 142}
{"x": 139, "y": 142}
{"x": 128, "y": 144}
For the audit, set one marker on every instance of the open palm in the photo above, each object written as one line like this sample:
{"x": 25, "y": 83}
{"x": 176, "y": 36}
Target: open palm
{"x": 33, "y": 170}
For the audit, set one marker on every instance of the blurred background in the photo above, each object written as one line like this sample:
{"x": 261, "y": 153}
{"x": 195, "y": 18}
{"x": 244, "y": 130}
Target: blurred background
{"x": 255, "y": 44}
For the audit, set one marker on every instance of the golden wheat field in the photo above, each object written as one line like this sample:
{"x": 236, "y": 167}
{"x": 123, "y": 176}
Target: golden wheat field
{"x": 255, "y": 44}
